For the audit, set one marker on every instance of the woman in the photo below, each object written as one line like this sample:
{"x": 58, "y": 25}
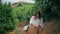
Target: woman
{"x": 36, "y": 22}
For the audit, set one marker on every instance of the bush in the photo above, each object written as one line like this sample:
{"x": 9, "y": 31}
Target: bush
{"x": 7, "y": 21}
{"x": 48, "y": 8}
{"x": 24, "y": 12}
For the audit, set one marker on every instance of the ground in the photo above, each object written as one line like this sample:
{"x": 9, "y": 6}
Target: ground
{"x": 19, "y": 29}
{"x": 52, "y": 27}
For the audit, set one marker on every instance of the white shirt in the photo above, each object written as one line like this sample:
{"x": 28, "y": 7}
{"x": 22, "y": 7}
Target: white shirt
{"x": 36, "y": 22}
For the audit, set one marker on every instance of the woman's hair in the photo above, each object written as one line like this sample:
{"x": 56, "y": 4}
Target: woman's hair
{"x": 38, "y": 12}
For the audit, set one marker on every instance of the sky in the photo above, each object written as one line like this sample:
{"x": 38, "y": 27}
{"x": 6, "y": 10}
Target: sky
{"x": 13, "y": 1}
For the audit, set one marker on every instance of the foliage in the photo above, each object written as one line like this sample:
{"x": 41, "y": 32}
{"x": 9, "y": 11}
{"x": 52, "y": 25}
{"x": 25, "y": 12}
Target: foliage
{"x": 48, "y": 8}
{"x": 7, "y": 21}
{"x": 24, "y": 11}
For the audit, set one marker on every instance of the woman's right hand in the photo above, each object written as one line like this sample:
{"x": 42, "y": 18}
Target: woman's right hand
{"x": 31, "y": 24}
{"x": 39, "y": 26}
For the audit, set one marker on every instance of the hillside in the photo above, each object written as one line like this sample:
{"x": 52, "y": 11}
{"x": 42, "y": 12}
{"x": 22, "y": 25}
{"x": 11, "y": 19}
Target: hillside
{"x": 23, "y": 11}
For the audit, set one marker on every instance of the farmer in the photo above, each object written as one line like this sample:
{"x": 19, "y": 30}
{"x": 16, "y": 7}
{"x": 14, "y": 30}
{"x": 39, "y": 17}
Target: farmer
{"x": 36, "y": 22}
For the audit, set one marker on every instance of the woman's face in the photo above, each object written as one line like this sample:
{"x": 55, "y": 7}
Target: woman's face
{"x": 37, "y": 15}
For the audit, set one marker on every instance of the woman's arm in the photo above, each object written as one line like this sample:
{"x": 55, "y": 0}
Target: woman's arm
{"x": 41, "y": 22}
{"x": 31, "y": 20}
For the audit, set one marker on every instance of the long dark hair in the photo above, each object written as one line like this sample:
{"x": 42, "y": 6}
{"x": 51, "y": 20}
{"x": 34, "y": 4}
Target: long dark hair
{"x": 38, "y": 12}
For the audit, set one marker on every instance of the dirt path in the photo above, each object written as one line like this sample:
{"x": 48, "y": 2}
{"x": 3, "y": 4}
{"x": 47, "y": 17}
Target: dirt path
{"x": 19, "y": 29}
{"x": 49, "y": 28}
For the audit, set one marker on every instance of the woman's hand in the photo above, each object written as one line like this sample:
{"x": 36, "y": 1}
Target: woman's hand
{"x": 31, "y": 24}
{"x": 39, "y": 26}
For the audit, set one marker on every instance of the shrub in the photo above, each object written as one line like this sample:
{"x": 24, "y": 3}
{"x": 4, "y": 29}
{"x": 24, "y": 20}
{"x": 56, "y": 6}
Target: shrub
{"x": 48, "y": 8}
{"x": 7, "y": 21}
